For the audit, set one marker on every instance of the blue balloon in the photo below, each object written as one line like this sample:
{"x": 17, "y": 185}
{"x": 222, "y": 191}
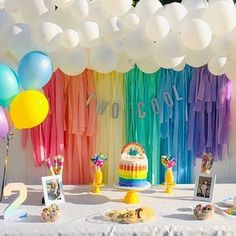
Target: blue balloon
{"x": 9, "y": 87}
{"x": 35, "y": 70}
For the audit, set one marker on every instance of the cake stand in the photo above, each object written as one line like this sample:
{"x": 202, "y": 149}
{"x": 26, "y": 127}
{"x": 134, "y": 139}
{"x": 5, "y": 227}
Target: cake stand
{"x": 131, "y": 196}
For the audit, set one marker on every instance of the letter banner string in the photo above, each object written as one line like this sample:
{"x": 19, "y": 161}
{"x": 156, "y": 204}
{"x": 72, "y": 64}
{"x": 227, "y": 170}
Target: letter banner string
{"x": 181, "y": 114}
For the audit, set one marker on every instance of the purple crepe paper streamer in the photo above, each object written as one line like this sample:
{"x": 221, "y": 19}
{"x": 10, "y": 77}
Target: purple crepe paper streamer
{"x": 209, "y": 113}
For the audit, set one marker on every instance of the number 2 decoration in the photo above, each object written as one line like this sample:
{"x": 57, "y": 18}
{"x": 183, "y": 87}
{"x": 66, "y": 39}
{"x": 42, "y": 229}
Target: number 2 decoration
{"x": 12, "y": 212}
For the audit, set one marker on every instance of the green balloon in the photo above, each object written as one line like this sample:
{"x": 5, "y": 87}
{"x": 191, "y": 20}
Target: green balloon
{"x": 9, "y": 87}
{"x": 6, "y": 103}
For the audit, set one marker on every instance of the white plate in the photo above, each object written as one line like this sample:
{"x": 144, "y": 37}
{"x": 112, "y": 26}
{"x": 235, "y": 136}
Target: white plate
{"x": 228, "y": 202}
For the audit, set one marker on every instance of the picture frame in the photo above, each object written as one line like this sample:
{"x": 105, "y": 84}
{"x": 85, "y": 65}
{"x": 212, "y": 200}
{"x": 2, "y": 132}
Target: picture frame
{"x": 204, "y": 186}
{"x": 53, "y": 190}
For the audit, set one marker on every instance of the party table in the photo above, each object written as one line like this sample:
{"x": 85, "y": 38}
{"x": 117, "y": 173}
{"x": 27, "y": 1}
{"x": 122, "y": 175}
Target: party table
{"x": 82, "y": 214}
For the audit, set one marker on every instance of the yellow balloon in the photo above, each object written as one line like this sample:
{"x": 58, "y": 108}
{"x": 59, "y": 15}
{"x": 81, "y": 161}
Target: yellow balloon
{"x": 28, "y": 109}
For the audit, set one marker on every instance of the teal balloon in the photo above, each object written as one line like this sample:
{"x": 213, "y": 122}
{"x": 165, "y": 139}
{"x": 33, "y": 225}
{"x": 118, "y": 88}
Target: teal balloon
{"x": 9, "y": 87}
{"x": 35, "y": 70}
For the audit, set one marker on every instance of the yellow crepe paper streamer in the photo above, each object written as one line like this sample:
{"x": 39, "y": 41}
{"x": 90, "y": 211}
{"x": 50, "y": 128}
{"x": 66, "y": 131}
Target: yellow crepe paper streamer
{"x": 110, "y": 131}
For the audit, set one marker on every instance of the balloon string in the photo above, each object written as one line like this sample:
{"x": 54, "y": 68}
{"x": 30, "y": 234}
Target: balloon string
{"x": 9, "y": 137}
{"x": 4, "y": 177}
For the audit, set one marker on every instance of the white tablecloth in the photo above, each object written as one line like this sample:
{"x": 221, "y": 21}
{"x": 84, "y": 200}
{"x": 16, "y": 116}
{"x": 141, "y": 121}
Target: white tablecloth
{"x": 82, "y": 214}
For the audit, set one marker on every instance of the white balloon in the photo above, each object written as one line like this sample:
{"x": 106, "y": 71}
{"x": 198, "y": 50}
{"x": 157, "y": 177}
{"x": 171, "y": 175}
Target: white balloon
{"x": 174, "y": 13}
{"x": 117, "y": 7}
{"x": 196, "y": 34}
{"x": 62, "y": 3}
{"x": 180, "y": 67}
{"x": 6, "y": 20}
{"x": 89, "y": 34}
{"x": 19, "y": 39}
{"x": 198, "y": 58}
{"x": 96, "y": 11}
{"x": 230, "y": 1}
{"x": 125, "y": 63}
{"x": 64, "y": 18}
{"x": 54, "y": 58}
{"x": 12, "y": 6}
{"x": 18, "y": 17}
{"x": 80, "y": 9}
{"x": 198, "y": 13}
{"x": 157, "y": 27}
{"x": 221, "y": 45}
{"x": 146, "y": 8}
{"x": 69, "y": 38}
{"x": 118, "y": 44}
{"x": 221, "y": 16}
{"x": 231, "y": 71}
{"x": 192, "y": 5}
{"x": 72, "y": 61}
{"x": 10, "y": 60}
{"x": 102, "y": 58}
{"x": 108, "y": 27}
{"x": 121, "y": 26}
{"x": 138, "y": 45}
{"x": 2, "y": 4}
{"x": 46, "y": 36}
{"x": 232, "y": 36}
{"x": 148, "y": 65}
{"x": 3, "y": 41}
{"x": 218, "y": 65}
{"x": 131, "y": 21}
{"x": 169, "y": 52}
{"x": 37, "y": 10}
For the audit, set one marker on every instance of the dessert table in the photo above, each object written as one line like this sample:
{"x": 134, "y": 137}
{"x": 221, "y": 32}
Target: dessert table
{"x": 82, "y": 214}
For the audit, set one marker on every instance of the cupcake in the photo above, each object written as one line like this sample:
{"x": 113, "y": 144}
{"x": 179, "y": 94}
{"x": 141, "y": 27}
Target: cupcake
{"x": 51, "y": 213}
{"x": 203, "y": 212}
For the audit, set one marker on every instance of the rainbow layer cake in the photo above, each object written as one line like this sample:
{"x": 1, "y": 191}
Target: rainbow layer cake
{"x": 133, "y": 166}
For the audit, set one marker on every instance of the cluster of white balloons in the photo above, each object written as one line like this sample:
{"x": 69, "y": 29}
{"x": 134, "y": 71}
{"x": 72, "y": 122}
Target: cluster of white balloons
{"x": 107, "y": 35}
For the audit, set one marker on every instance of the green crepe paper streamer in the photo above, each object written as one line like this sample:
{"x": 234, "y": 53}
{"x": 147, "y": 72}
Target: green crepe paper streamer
{"x": 163, "y": 133}
{"x": 141, "y": 87}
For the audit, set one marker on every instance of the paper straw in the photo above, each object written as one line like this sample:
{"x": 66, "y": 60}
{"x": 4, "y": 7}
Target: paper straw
{"x": 50, "y": 167}
{"x": 61, "y": 164}
{"x": 55, "y": 165}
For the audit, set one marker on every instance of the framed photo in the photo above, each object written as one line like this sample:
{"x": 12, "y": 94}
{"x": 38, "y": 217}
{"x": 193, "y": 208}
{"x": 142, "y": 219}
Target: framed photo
{"x": 52, "y": 189}
{"x": 204, "y": 187}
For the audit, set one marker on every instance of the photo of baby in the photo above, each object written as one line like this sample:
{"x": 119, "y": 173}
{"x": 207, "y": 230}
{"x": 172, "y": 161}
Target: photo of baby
{"x": 52, "y": 188}
{"x": 204, "y": 187}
